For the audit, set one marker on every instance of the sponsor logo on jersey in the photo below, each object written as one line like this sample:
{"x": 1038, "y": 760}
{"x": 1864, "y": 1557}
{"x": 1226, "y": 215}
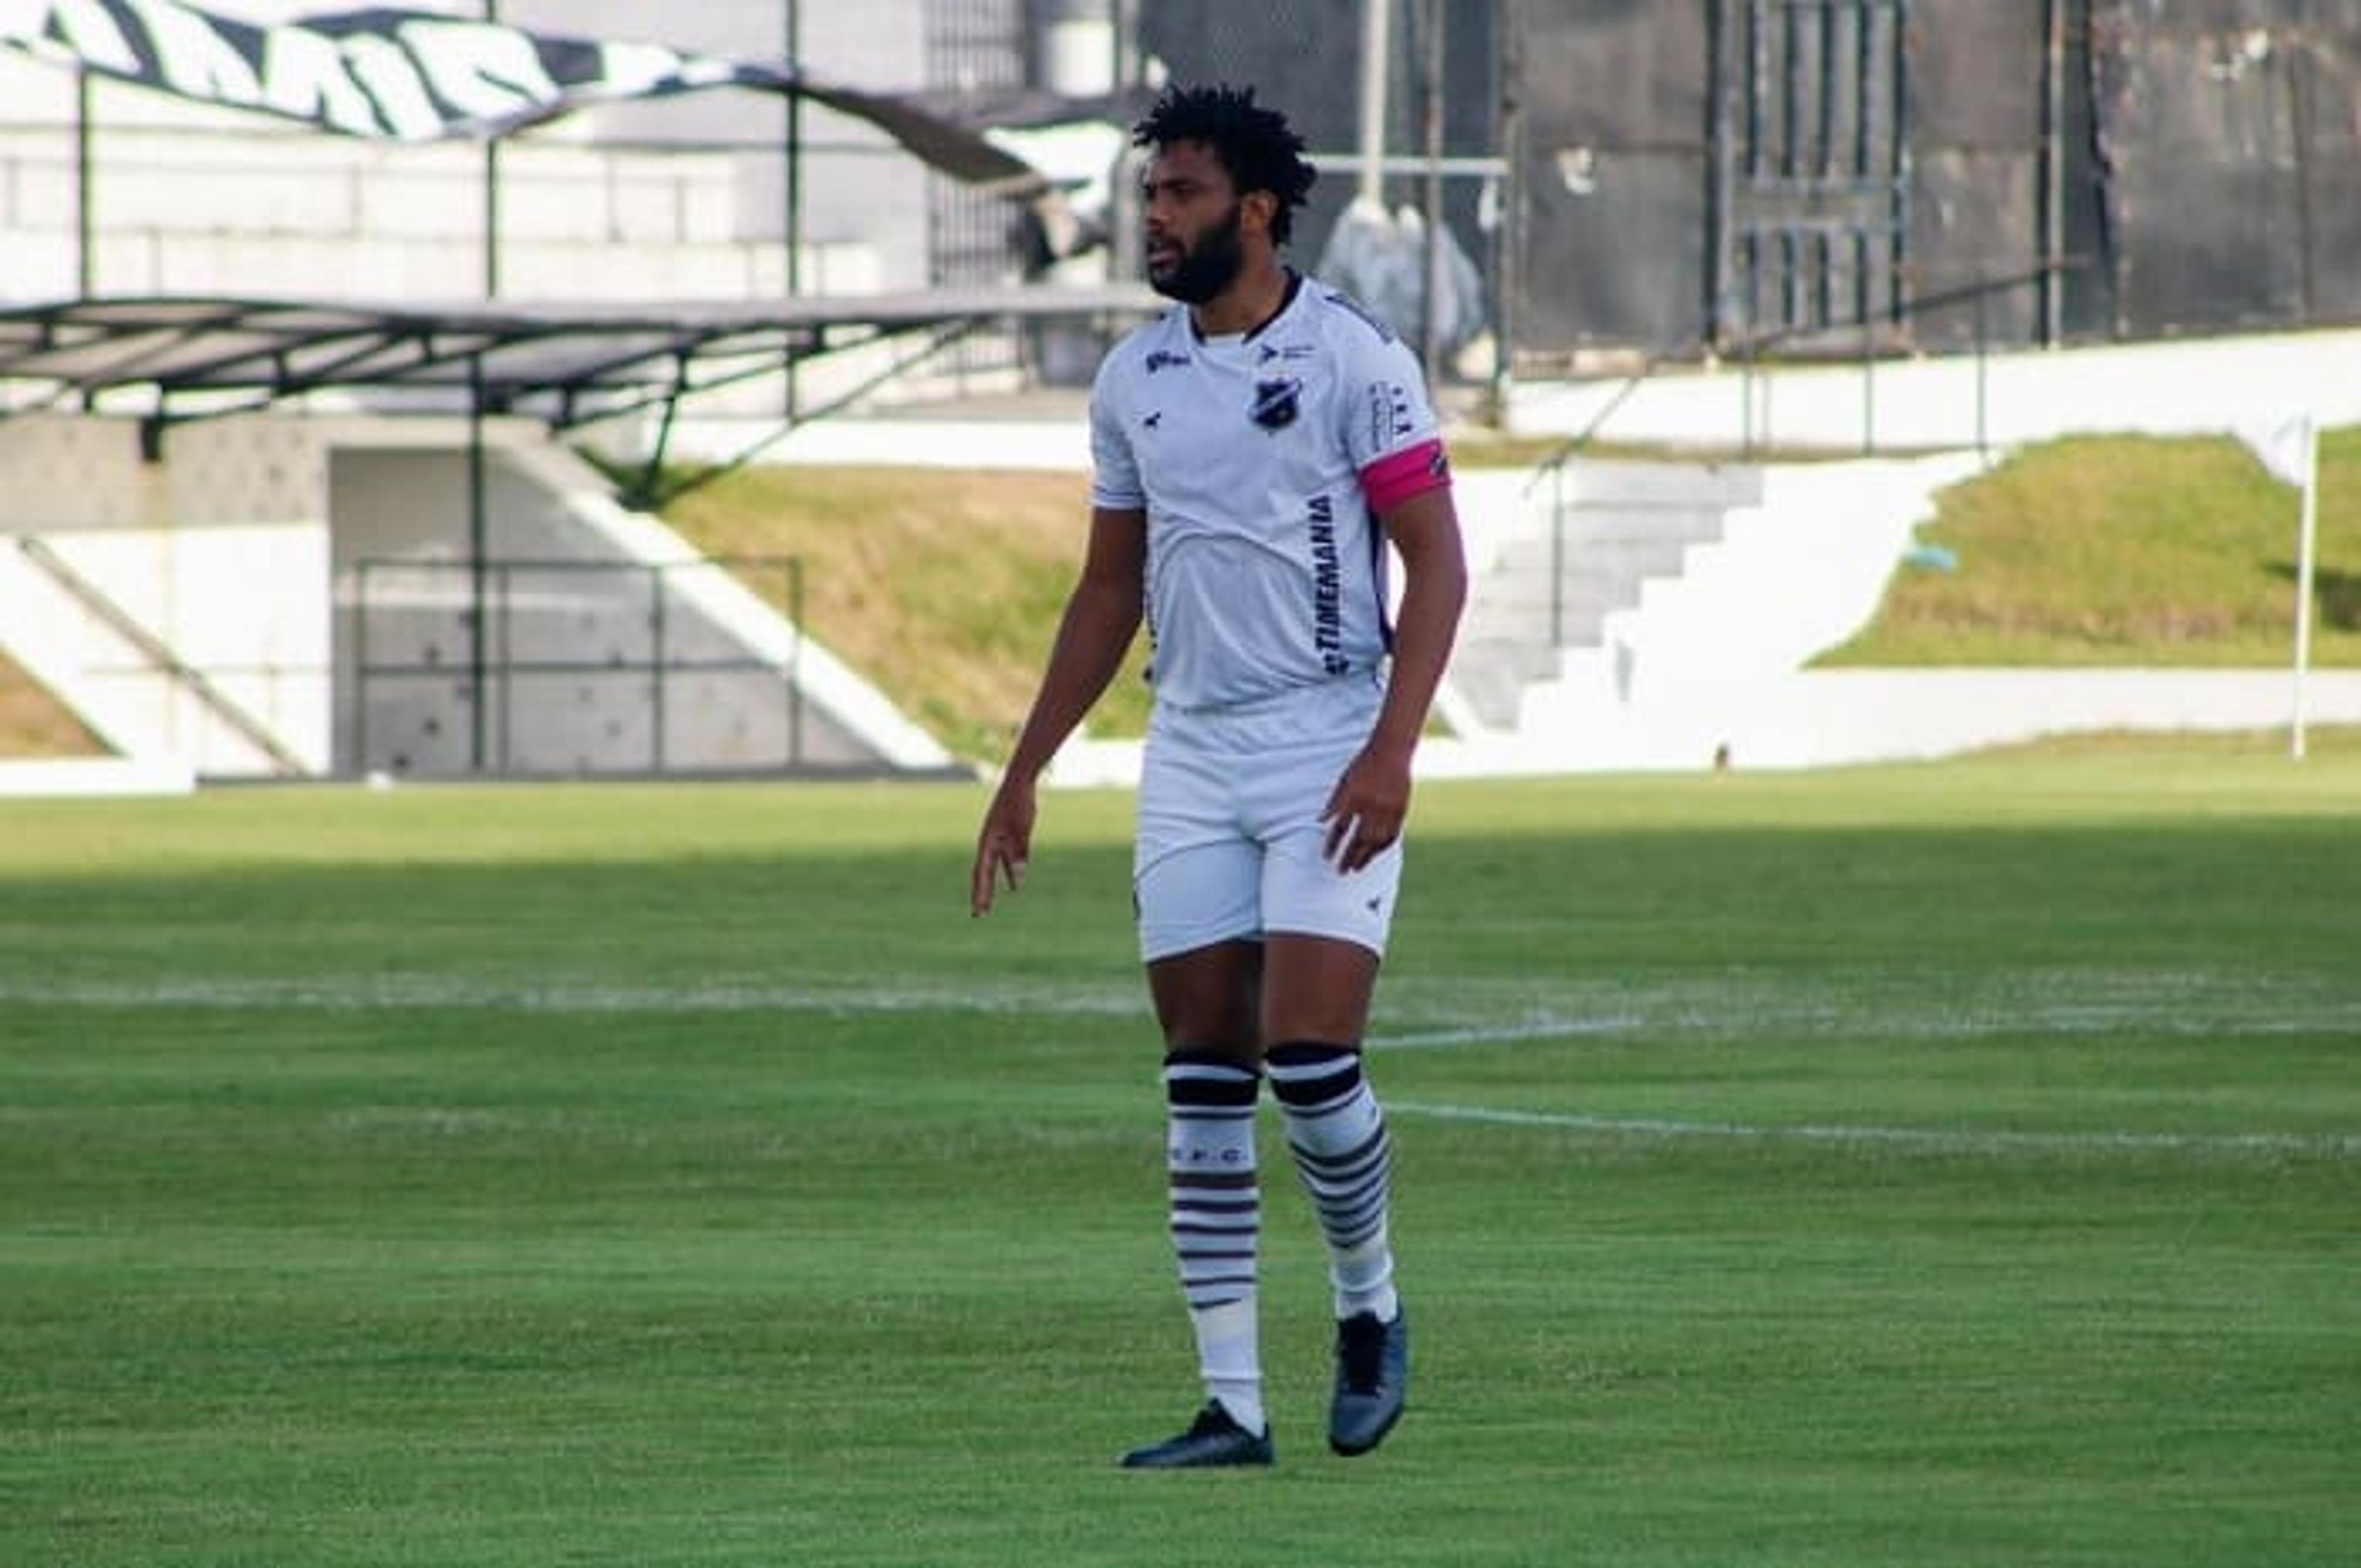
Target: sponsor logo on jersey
{"x": 1276, "y": 403}
{"x": 1327, "y": 587}
{"x": 1165, "y": 359}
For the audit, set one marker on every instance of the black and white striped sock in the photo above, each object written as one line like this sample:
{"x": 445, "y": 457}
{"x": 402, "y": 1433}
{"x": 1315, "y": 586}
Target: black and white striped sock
{"x": 1337, "y": 1130}
{"x": 1216, "y": 1220}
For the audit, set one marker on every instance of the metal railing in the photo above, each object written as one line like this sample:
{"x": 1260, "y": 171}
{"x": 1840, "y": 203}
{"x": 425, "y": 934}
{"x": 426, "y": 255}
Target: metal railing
{"x": 1753, "y": 350}
{"x": 1749, "y": 354}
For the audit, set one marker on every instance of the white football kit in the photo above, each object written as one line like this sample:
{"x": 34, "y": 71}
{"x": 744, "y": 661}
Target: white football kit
{"x": 1260, "y": 461}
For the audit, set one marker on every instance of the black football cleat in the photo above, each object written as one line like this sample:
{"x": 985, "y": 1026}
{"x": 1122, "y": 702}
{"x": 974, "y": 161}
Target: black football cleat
{"x": 1212, "y": 1440}
{"x": 1372, "y": 1376}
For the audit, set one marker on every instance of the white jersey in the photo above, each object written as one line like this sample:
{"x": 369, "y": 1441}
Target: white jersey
{"x": 1266, "y": 568}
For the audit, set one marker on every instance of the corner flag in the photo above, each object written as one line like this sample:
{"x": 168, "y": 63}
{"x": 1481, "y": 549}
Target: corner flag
{"x": 2291, "y": 452}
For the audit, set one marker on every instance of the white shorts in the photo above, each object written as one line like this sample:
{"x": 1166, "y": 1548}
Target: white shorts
{"x": 1230, "y": 838}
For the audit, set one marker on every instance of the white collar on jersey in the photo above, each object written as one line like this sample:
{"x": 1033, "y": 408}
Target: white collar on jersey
{"x": 1232, "y": 339}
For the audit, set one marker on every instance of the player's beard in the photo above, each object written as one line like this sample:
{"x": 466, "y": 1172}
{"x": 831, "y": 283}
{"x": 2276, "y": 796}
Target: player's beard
{"x": 1205, "y": 267}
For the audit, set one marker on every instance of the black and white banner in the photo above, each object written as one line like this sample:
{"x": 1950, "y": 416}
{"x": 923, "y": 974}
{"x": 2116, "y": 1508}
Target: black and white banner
{"x": 410, "y": 75}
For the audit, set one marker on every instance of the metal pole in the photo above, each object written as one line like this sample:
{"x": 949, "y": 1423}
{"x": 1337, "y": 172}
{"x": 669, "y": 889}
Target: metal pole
{"x": 2300, "y": 127}
{"x": 1508, "y": 65}
{"x": 360, "y": 668}
{"x": 1904, "y": 162}
{"x": 504, "y": 595}
{"x": 2053, "y": 177}
{"x": 492, "y": 193}
{"x": 1430, "y": 312}
{"x": 1984, "y": 345}
{"x": 1868, "y": 388}
{"x": 1718, "y": 278}
{"x": 1746, "y": 370}
{"x": 2307, "y": 539}
{"x": 1377, "y": 53}
{"x": 479, "y": 552}
{"x": 656, "y": 665}
{"x": 1557, "y": 554}
{"x": 793, "y": 25}
{"x": 492, "y": 219}
{"x": 85, "y": 217}
{"x": 1123, "y": 205}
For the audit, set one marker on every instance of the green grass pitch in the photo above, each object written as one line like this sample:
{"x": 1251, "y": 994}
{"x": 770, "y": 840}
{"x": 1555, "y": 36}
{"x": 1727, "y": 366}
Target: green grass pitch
{"x": 1952, "y": 1164}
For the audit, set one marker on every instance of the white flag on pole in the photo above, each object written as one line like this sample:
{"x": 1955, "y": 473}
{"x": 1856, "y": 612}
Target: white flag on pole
{"x": 2284, "y": 449}
{"x": 2290, "y": 451}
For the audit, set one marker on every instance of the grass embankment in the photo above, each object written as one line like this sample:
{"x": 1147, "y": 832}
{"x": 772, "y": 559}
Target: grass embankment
{"x": 34, "y": 723}
{"x": 2127, "y": 551}
{"x": 941, "y": 586}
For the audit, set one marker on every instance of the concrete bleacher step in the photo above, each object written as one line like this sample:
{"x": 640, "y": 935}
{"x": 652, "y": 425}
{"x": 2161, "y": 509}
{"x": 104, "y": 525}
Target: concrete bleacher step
{"x": 1591, "y": 544}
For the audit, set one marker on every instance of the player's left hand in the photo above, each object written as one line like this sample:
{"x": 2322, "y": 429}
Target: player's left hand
{"x": 1366, "y": 809}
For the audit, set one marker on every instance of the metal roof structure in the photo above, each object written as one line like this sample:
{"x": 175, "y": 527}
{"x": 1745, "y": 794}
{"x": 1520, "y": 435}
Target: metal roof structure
{"x": 185, "y": 359}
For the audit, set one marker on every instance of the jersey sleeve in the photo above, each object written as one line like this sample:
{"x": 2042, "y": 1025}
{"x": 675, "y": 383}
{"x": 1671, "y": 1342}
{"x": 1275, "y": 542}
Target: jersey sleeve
{"x": 1392, "y": 433}
{"x": 1386, "y": 404}
{"x": 1115, "y": 468}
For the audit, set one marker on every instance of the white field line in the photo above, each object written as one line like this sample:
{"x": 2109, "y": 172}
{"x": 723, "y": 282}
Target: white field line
{"x": 1768, "y": 1018}
{"x": 1509, "y": 1034}
{"x": 1941, "y": 1140}
{"x": 2151, "y": 1005}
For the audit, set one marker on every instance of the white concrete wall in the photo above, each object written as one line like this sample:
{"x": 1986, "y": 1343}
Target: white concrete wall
{"x": 582, "y": 603}
{"x": 221, "y": 554}
{"x": 2198, "y": 386}
{"x": 1858, "y": 716}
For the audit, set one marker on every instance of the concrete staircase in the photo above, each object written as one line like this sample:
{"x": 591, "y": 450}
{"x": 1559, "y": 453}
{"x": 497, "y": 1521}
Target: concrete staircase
{"x": 292, "y": 597}
{"x": 1707, "y": 665}
{"x": 1576, "y": 546}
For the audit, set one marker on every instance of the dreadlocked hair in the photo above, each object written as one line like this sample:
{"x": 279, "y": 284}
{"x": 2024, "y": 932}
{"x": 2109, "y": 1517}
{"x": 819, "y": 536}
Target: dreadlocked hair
{"x": 1255, "y": 145}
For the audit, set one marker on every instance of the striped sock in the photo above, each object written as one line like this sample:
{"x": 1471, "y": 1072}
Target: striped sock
{"x": 1217, "y": 1219}
{"x": 1337, "y": 1133}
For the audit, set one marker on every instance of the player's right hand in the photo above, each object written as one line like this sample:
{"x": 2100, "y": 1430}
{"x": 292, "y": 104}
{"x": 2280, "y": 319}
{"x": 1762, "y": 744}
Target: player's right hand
{"x": 1002, "y": 845}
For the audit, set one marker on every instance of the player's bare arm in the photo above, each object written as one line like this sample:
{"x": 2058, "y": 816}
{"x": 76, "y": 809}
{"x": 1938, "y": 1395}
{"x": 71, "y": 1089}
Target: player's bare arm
{"x": 1365, "y": 812}
{"x": 1101, "y": 616}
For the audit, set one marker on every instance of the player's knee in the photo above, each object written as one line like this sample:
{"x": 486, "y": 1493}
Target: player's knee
{"x": 1185, "y": 1050}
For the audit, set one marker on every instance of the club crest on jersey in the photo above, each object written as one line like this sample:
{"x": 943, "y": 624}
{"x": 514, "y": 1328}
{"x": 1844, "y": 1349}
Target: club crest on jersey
{"x": 1276, "y": 403}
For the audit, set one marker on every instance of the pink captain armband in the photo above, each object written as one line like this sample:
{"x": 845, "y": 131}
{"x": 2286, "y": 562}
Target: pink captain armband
{"x": 1398, "y": 476}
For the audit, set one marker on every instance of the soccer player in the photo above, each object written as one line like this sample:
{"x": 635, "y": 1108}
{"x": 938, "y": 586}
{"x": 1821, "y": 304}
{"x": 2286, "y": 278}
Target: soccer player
{"x": 1255, "y": 452}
